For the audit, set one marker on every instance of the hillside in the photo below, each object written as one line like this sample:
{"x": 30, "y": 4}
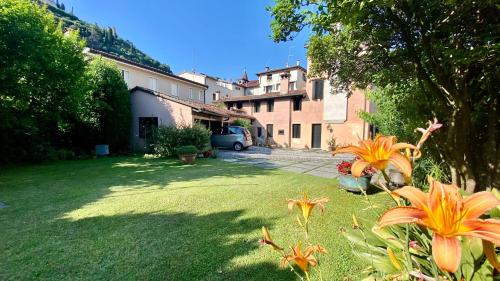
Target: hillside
{"x": 106, "y": 39}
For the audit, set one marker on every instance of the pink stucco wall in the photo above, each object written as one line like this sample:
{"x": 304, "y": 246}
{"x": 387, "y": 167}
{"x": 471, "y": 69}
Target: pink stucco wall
{"x": 348, "y": 131}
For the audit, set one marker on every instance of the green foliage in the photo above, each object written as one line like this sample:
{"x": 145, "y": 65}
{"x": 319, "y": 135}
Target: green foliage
{"x": 105, "y": 112}
{"x": 373, "y": 244}
{"x": 424, "y": 61}
{"x": 168, "y": 138}
{"x": 245, "y": 123}
{"x": 40, "y": 74}
{"x": 186, "y": 150}
{"x": 106, "y": 39}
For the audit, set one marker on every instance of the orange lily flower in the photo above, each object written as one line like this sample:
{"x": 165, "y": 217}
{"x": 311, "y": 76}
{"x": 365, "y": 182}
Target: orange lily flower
{"x": 266, "y": 239}
{"x": 303, "y": 259}
{"x": 306, "y": 205}
{"x": 378, "y": 153}
{"x": 448, "y": 215}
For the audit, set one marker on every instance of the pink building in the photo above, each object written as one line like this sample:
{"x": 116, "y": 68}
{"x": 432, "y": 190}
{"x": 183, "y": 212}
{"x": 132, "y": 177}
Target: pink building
{"x": 293, "y": 111}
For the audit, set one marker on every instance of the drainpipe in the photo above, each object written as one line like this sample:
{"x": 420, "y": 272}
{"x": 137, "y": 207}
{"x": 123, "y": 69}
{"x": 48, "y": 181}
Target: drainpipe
{"x": 290, "y": 124}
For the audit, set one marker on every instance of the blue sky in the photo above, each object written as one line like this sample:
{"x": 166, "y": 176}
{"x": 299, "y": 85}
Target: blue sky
{"x": 216, "y": 37}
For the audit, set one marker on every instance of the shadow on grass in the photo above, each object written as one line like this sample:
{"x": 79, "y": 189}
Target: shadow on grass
{"x": 41, "y": 244}
{"x": 178, "y": 246}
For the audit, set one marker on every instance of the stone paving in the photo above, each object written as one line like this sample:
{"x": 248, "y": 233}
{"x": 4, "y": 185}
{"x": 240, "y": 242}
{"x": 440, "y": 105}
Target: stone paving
{"x": 311, "y": 162}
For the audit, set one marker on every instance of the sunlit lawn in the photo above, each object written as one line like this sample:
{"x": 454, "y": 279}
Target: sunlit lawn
{"x": 138, "y": 219}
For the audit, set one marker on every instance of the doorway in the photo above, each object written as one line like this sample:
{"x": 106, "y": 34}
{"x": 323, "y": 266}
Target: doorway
{"x": 316, "y": 136}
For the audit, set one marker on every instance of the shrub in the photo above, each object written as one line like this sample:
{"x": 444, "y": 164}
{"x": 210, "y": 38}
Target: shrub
{"x": 186, "y": 150}
{"x": 168, "y": 138}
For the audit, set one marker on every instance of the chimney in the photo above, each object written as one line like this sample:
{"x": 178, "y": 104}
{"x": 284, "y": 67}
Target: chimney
{"x": 267, "y": 68}
{"x": 298, "y": 62}
{"x": 284, "y": 83}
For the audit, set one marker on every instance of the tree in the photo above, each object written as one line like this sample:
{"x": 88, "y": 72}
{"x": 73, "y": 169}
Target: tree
{"x": 40, "y": 72}
{"x": 106, "y": 111}
{"x": 447, "y": 50}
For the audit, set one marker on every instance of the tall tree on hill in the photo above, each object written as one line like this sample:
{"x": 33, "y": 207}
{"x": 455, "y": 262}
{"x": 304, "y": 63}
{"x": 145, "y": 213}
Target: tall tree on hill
{"x": 446, "y": 53}
{"x": 40, "y": 71}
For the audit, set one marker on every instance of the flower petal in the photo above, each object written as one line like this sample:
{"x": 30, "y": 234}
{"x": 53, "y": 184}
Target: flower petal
{"x": 401, "y": 163}
{"x": 488, "y": 230}
{"x": 350, "y": 149}
{"x": 489, "y": 252}
{"x": 416, "y": 196}
{"x": 478, "y": 203}
{"x": 447, "y": 252}
{"x": 358, "y": 167}
{"x": 401, "y": 215}
{"x": 402, "y": 145}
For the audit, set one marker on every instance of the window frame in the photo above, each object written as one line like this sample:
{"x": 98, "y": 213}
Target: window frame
{"x": 296, "y": 131}
{"x": 297, "y": 101}
{"x": 269, "y": 135}
{"x": 174, "y": 89}
{"x": 270, "y": 105}
{"x": 256, "y": 106}
{"x": 153, "y": 83}
{"x": 142, "y": 129}
{"x": 316, "y": 87}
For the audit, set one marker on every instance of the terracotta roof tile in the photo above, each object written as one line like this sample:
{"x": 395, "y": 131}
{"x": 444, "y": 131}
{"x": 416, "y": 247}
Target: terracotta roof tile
{"x": 273, "y": 95}
{"x": 206, "y": 108}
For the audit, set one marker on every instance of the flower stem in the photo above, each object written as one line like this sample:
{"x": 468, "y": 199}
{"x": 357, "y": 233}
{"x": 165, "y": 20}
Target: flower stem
{"x": 307, "y": 276}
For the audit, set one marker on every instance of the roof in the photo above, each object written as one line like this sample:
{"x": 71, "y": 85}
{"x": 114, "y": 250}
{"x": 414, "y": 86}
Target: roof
{"x": 251, "y": 84}
{"x": 202, "y": 107}
{"x": 273, "y": 95}
{"x": 159, "y": 71}
{"x": 209, "y": 77}
{"x": 282, "y": 69}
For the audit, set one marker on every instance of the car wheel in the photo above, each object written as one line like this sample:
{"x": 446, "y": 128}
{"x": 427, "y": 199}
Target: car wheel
{"x": 238, "y": 146}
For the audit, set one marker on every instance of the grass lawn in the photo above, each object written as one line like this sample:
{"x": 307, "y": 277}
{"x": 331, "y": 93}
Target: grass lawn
{"x": 154, "y": 219}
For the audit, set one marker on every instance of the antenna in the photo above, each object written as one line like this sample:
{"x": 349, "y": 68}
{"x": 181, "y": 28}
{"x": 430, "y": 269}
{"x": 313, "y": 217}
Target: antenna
{"x": 289, "y": 55}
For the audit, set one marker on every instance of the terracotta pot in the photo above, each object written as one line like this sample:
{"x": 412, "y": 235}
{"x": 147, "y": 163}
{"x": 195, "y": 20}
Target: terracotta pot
{"x": 350, "y": 183}
{"x": 188, "y": 158}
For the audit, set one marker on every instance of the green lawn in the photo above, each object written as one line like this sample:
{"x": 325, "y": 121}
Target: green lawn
{"x": 139, "y": 219}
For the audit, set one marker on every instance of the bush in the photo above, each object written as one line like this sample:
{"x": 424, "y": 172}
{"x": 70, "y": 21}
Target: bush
{"x": 186, "y": 150}
{"x": 168, "y": 138}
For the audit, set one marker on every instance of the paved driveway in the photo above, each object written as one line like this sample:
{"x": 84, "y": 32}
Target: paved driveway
{"x": 316, "y": 163}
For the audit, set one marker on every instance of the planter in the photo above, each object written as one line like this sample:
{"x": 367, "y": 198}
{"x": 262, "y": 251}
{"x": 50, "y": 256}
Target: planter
{"x": 102, "y": 150}
{"x": 187, "y": 158}
{"x": 352, "y": 184}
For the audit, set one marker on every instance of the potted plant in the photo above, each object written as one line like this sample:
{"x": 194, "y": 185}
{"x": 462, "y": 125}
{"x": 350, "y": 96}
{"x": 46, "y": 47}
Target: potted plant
{"x": 187, "y": 154}
{"x": 350, "y": 183}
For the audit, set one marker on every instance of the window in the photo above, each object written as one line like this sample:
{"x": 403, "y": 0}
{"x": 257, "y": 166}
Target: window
{"x": 277, "y": 87}
{"x": 292, "y": 86}
{"x": 239, "y": 105}
{"x": 174, "y": 89}
{"x": 270, "y": 105}
{"x": 190, "y": 93}
{"x": 229, "y": 105}
{"x": 125, "y": 76}
{"x": 269, "y": 129}
{"x": 318, "y": 90}
{"x": 153, "y": 83}
{"x": 296, "y": 131}
{"x": 281, "y": 132}
{"x": 235, "y": 131}
{"x": 259, "y": 132}
{"x": 237, "y": 88}
{"x": 146, "y": 126}
{"x": 200, "y": 95}
{"x": 215, "y": 96}
{"x": 269, "y": 77}
{"x": 297, "y": 104}
{"x": 268, "y": 89}
{"x": 256, "y": 106}
{"x": 304, "y": 77}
